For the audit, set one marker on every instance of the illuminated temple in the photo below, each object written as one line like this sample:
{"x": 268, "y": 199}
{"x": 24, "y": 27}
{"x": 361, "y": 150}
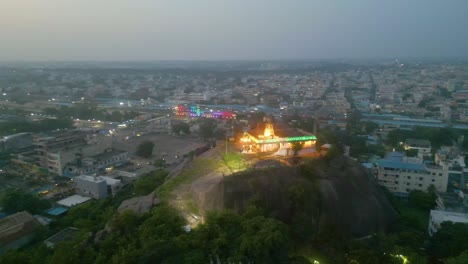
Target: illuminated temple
{"x": 267, "y": 139}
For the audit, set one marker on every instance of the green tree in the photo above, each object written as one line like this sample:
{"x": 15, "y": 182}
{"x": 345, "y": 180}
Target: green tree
{"x": 460, "y": 259}
{"x": 335, "y": 150}
{"x": 353, "y": 122}
{"x": 181, "y": 128}
{"x": 296, "y": 147}
{"x": 264, "y": 240}
{"x": 207, "y": 128}
{"x": 149, "y": 182}
{"x": 145, "y": 149}
{"x": 159, "y": 236}
{"x": 16, "y": 200}
{"x": 422, "y": 200}
{"x": 450, "y": 240}
{"x": 370, "y": 127}
{"x": 126, "y": 222}
{"x": 411, "y": 152}
{"x": 161, "y": 163}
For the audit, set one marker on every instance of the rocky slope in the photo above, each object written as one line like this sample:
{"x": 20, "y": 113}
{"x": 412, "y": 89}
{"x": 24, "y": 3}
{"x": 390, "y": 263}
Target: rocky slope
{"x": 338, "y": 193}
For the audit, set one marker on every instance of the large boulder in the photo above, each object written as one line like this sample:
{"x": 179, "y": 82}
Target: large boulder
{"x": 141, "y": 204}
{"x": 339, "y": 192}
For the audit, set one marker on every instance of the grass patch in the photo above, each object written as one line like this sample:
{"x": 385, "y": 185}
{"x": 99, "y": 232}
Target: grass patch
{"x": 197, "y": 168}
{"x": 192, "y": 207}
{"x": 235, "y": 161}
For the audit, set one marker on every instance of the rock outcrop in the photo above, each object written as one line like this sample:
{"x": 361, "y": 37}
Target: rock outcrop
{"x": 141, "y": 204}
{"x": 339, "y": 192}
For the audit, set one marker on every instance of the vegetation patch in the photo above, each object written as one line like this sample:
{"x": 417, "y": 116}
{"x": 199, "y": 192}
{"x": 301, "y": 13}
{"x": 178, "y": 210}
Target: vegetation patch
{"x": 235, "y": 161}
{"x": 197, "y": 168}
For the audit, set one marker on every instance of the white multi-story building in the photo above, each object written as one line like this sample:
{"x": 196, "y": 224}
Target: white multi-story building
{"x": 97, "y": 187}
{"x": 55, "y": 150}
{"x": 401, "y": 174}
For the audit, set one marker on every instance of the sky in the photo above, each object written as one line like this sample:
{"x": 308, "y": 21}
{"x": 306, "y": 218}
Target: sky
{"x": 116, "y": 30}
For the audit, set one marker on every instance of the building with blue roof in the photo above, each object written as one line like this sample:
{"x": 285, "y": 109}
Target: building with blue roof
{"x": 56, "y": 211}
{"x": 401, "y": 174}
{"x": 404, "y": 122}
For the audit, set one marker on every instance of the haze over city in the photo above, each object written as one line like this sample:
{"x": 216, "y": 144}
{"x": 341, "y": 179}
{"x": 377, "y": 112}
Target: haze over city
{"x": 233, "y": 131}
{"x": 231, "y": 30}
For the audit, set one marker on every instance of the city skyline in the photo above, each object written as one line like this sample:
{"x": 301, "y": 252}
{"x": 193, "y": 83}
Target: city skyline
{"x": 214, "y": 30}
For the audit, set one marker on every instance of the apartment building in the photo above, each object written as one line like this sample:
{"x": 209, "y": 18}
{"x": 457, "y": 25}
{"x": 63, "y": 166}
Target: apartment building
{"x": 401, "y": 174}
{"x": 97, "y": 187}
{"x": 54, "y": 150}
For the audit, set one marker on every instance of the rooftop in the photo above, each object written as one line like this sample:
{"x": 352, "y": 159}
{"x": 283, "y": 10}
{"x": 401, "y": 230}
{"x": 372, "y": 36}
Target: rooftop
{"x": 57, "y": 211}
{"x": 108, "y": 180}
{"x": 90, "y": 178}
{"x": 418, "y": 143}
{"x": 16, "y": 226}
{"x": 397, "y": 160}
{"x": 64, "y": 235}
{"x": 73, "y": 200}
{"x": 444, "y": 216}
{"x": 109, "y": 153}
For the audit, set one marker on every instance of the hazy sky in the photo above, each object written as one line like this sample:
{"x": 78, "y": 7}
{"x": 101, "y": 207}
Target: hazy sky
{"x": 231, "y": 29}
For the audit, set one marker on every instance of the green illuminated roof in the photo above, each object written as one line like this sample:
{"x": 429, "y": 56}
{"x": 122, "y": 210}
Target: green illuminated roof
{"x": 282, "y": 140}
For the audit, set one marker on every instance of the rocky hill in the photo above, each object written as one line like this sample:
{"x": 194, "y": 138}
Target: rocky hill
{"x": 336, "y": 193}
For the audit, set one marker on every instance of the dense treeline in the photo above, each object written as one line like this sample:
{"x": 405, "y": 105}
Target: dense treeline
{"x": 251, "y": 237}
{"x": 437, "y": 136}
{"x": 16, "y": 200}
{"x": 357, "y": 144}
{"x": 12, "y": 127}
{"x": 255, "y": 236}
{"x": 90, "y": 111}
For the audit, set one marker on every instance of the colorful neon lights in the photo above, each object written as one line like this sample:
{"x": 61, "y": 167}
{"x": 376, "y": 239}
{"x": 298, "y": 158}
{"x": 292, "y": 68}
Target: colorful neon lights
{"x": 281, "y": 140}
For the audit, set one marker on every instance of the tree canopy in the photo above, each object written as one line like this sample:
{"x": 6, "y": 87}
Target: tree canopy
{"x": 16, "y": 200}
{"x": 181, "y": 128}
{"x": 145, "y": 149}
{"x": 207, "y": 128}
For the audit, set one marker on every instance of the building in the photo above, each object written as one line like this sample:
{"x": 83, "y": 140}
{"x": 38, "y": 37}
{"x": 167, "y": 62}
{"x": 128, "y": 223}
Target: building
{"x": 266, "y": 139}
{"x": 454, "y": 159}
{"x": 73, "y": 200}
{"x": 196, "y": 111}
{"x": 422, "y": 146}
{"x": 97, "y": 187}
{"x": 16, "y": 142}
{"x": 54, "y": 150}
{"x": 452, "y": 207}
{"x": 66, "y": 234}
{"x": 16, "y": 230}
{"x": 94, "y": 164}
{"x": 401, "y": 174}
{"x": 390, "y": 121}
{"x": 436, "y": 218}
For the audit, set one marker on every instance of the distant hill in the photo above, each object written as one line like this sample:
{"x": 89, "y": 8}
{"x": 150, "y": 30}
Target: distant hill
{"x": 319, "y": 194}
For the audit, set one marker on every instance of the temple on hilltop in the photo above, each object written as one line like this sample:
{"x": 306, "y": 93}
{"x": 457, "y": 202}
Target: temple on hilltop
{"x": 265, "y": 138}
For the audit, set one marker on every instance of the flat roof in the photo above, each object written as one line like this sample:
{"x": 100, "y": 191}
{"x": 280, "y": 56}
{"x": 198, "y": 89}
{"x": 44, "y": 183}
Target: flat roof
{"x": 16, "y": 226}
{"x": 57, "y": 211}
{"x": 89, "y": 178}
{"x": 392, "y": 163}
{"x": 444, "y": 216}
{"x": 418, "y": 142}
{"x": 73, "y": 200}
{"x": 108, "y": 180}
{"x": 64, "y": 235}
